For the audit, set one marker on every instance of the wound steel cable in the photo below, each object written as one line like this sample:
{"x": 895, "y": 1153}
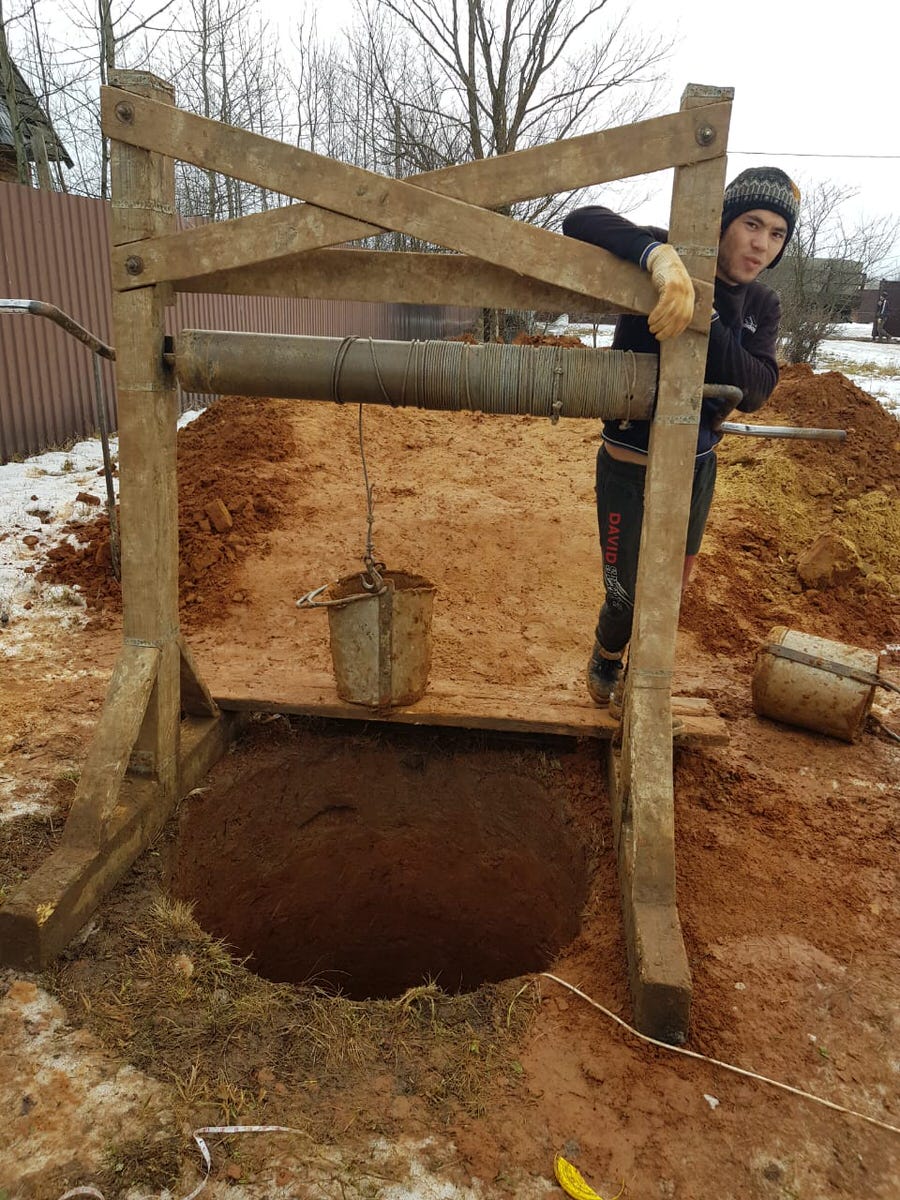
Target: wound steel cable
{"x": 495, "y": 378}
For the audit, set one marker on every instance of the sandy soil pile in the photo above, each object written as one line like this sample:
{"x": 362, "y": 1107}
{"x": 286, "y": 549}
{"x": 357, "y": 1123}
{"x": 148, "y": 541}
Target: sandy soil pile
{"x": 775, "y": 498}
{"x": 786, "y": 840}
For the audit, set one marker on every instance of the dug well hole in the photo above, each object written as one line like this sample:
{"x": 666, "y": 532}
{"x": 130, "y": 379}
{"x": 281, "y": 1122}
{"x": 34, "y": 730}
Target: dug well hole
{"x": 371, "y": 862}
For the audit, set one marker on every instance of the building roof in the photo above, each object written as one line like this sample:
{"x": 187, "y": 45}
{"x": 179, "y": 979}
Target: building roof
{"x": 33, "y": 118}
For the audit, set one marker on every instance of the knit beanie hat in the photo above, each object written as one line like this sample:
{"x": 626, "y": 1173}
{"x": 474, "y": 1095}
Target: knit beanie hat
{"x": 763, "y": 187}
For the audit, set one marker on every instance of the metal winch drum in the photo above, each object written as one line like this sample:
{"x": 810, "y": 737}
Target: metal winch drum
{"x": 380, "y": 638}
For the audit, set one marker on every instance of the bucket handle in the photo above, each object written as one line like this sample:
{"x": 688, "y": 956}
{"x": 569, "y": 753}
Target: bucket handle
{"x": 827, "y": 664}
{"x": 310, "y": 601}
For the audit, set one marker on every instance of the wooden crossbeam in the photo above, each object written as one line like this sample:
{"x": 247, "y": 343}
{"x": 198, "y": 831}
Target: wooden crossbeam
{"x": 380, "y": 202}
{"x": 381, "y": 276}
{"x": 364, "y": 195}
{"x": 590, "y": 159}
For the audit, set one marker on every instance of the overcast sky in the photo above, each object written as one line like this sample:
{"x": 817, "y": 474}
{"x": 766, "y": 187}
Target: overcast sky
{"x": 810, "y": 78}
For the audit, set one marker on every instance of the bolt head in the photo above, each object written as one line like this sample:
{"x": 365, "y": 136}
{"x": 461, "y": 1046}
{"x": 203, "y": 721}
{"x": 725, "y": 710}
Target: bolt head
{"x": 705, "y": 135}
{"x": 125, "y": 112}
{"x": 134, "y": 264}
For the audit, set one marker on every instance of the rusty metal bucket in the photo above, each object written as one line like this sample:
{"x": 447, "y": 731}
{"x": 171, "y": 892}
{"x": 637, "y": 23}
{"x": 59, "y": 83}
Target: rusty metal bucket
{"x": 381, "y": 642}
{"x": 814, "y": 683}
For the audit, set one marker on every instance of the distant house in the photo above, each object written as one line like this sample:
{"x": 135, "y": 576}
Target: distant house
{"x": 42, "y": 146}
{"x": 837, "y": 282}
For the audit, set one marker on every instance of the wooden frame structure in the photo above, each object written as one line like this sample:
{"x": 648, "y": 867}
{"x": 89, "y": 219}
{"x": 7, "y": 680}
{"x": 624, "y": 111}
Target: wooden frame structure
{"x": 160, "y": 730}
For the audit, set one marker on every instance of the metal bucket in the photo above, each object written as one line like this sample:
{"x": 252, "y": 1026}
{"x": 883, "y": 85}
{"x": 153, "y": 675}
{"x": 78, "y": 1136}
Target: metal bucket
{"x": 381, "y": 643}
{"x": 816, "y": 684}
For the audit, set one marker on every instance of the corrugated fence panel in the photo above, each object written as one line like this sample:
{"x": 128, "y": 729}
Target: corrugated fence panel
{"x": 55, "y": 248}
{"x": 52, "y": 248}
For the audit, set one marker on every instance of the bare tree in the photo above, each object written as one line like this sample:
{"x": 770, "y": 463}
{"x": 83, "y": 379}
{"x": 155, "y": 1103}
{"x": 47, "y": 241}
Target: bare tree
{"x": 227, "y": 68}
{"x": 825, "y": 267}
{"x": 478, "y": 78}
{"x": 472, "y": 79}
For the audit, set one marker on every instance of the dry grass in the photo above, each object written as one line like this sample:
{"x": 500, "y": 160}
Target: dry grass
{"x": 24, "y": 843}
{"x": 237, "y": 1049}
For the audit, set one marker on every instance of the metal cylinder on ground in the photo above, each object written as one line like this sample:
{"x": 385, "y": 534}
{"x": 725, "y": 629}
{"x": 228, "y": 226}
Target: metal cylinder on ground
{"x": 814, "y": 683}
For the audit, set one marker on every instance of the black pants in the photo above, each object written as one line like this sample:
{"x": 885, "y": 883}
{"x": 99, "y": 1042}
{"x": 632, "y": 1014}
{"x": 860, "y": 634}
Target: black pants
{"x": 620, "y": 511}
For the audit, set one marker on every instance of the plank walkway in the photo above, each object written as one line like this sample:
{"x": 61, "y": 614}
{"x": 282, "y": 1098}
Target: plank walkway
{"x": 480, "y": 706}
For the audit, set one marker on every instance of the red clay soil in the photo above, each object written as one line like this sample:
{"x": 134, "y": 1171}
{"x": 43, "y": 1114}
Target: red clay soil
{"x": 787, "y": 840}
{"x": 237, "y": 454}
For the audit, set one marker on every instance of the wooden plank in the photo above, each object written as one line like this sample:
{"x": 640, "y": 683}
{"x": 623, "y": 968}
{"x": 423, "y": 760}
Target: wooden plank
{"x": 107, "y": 759}
{"x": 383, "y": 203}
{"x": 660, "y": 977}
{"x": 196, "y": 700}
{"x": 449, "y": 704}
{"x": 47, "y": 910}
{"x": 590, "y": 159}
{"x": 204, "y": 740}
{"x": 143, "y": 204}
{"x": 389, "y": 277}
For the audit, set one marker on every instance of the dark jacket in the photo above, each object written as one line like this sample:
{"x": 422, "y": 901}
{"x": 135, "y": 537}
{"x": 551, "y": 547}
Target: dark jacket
{"x": 742, "y": 335}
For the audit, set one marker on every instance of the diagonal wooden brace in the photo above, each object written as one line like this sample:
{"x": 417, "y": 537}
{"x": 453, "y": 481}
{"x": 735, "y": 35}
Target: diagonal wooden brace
{"x": 571, "y": 163}
{"x": 381, "y": 202}
{"x": 51, "y": 906}
{"x": 107, "y": 760}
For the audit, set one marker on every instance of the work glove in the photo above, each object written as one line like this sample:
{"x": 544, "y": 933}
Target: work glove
{"x": 675, "y": 307}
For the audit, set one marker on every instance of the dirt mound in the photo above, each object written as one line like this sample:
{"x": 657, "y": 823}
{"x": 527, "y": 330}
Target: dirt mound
{"x": 239, "y": 462}
{"x": 775, "y": 498}
{"x": 870, "y": 456}
{"x": 232, "y": 489}
{"x": 547, "y": 339}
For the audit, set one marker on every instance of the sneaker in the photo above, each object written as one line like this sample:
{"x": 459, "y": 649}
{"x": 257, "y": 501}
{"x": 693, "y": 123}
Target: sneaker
{"x": 602, "y": 676}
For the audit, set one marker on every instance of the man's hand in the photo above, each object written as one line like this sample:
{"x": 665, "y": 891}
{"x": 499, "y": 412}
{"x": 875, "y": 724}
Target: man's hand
{"x": 675, "y": 307}
{"x": 717, "y": 409}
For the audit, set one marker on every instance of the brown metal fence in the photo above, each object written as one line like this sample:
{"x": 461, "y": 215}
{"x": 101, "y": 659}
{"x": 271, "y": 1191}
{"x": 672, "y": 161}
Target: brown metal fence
{"x": 55, "y": 248}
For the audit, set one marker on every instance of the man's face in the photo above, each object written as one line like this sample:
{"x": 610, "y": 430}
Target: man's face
{"x": 749, "y": 244}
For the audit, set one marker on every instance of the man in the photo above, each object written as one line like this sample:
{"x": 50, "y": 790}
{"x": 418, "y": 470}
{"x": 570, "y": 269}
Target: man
{"x": 759, "y": 214}
{"x": 879, "y": 333}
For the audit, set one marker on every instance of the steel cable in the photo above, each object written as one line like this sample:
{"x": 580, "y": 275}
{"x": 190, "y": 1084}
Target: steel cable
{"x": 543, "y": 381}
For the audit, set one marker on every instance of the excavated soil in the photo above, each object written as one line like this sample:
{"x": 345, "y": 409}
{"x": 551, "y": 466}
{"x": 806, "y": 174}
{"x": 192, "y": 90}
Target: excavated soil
{"x": 786, "y": 840}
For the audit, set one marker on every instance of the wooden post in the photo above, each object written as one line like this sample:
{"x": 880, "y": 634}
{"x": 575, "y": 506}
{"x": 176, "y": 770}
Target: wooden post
{"x": 141, "y": 758}
{"x": 643, "y": 805}
{"x": 143, "y": 190}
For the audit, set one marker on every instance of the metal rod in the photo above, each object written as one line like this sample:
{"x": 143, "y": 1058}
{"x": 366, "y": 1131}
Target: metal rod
{"x": 40, "y": 308}
{"x": 784, "y": 431}
{"x": 103, "y": 425}
{"x": 827, "y": 664}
